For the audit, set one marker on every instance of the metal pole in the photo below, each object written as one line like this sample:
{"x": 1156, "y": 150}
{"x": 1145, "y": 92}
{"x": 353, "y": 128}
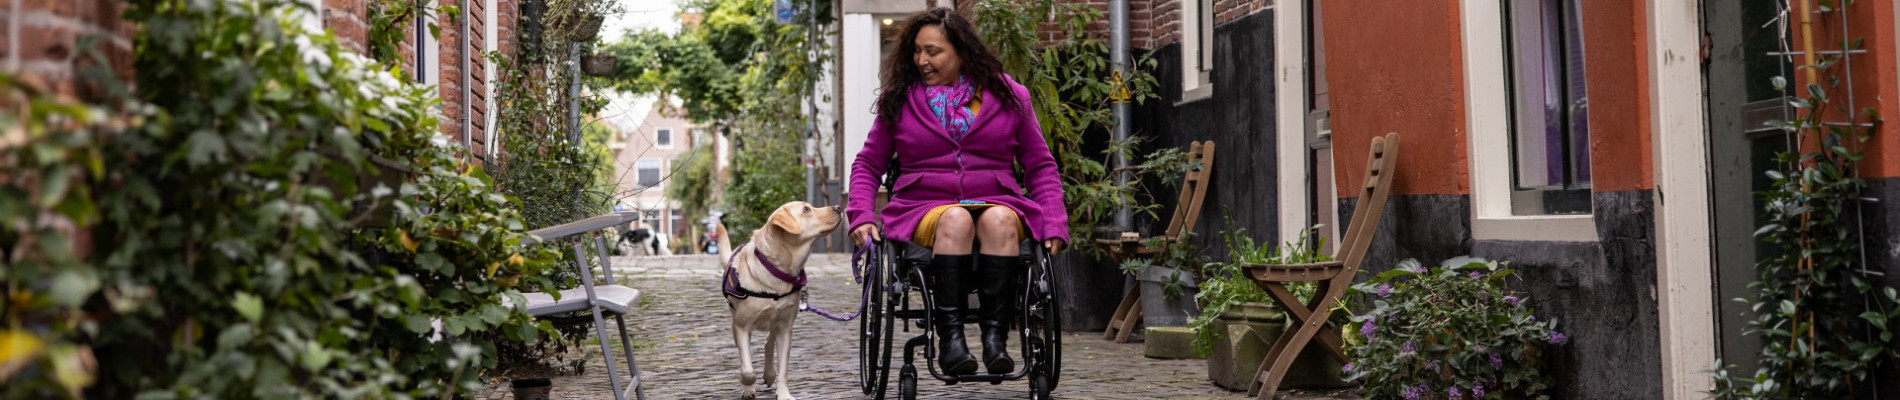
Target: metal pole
{"x": 1118, "y": 59}
{"x": 574, "y": 94}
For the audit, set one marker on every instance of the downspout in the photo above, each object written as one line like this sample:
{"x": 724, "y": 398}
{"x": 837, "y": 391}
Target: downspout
{"x": 1118, "y": 60}
{"x": 468, "y": 132}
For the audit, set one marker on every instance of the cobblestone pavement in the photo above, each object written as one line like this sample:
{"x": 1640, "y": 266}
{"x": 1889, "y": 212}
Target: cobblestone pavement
{"x": 683, "y": 344}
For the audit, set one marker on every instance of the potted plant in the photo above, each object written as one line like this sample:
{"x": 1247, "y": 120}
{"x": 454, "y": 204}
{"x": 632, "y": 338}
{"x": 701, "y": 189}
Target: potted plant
{"x": 1238, "y": 322}
{"x": 1169, "y": 282}
{"x": 1449, "y": 332}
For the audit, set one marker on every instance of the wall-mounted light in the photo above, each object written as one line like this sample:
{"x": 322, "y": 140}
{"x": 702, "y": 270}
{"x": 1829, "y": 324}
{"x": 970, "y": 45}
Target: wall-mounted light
{"x": 887, "y": 22}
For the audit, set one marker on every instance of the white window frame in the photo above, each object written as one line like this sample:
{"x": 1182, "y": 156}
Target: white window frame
{"x": 428, "y": 51}
{"x": 666, "y": 133}
{"x": 1488, "y": 141}
{"x": 1197, "y": 49}
{"x": 490, "y": 43}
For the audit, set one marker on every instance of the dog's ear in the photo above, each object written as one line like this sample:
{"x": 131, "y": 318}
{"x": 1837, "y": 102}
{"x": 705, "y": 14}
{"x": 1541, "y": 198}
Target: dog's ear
{"x": 786, "y": 222}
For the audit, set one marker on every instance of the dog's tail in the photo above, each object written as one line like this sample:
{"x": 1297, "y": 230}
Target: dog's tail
{"x": 725, "y": 243}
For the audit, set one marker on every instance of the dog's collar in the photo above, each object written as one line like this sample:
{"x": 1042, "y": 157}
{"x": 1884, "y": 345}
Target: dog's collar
{"x": 798, "y": 281}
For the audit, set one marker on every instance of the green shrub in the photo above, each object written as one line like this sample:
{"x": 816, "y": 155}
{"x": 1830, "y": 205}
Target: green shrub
{"x": 1451, "y": 331}
{"x": 238, "y": 244}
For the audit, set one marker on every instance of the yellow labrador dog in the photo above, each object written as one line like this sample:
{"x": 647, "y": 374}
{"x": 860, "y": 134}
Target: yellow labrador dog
{"x": 763, "y": 282}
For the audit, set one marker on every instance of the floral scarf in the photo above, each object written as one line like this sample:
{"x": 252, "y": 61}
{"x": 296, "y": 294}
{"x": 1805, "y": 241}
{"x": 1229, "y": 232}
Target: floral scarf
{"x": 947, "y": 102}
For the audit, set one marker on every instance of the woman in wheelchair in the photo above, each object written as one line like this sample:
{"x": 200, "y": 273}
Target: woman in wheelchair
{"x": 958, "y": 126}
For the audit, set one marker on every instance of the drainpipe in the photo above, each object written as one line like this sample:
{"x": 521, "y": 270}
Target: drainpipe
{"x": 574, "y": 94}
{"x": 468, "y": 131}
{"x": 1118, "y": 59}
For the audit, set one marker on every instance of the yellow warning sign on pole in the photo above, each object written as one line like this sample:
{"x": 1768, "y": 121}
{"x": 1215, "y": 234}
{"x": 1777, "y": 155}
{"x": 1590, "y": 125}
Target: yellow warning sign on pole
{"x": 1118, "y": 94}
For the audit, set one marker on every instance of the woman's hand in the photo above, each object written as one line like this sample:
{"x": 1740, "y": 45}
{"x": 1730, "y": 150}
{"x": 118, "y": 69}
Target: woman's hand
{"x": 865, "y": 231}
{"x": 1054, "y": 245}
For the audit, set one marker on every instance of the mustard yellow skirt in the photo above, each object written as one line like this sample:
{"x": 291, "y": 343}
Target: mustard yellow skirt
{"x": 926, "y": 233}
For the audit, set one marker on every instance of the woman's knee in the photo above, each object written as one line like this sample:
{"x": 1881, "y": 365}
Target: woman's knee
{"x": 955, "y": 224}
{"x": 999, "y": 223}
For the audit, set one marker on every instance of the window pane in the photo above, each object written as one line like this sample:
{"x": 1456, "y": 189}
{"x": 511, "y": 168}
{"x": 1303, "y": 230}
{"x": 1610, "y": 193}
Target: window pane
{"x": 1550, "y": 130}
{"x": 649, "y": 172}
{"x": 664, "y": 138}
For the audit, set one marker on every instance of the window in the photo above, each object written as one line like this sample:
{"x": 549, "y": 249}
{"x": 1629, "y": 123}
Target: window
{"x": 1197, "y": 49}
{"x": 648, "y": 172}
{"x": 663, "y": 138}
{"x": 1550, "y": 130}
{"x": 1489, "y": 93}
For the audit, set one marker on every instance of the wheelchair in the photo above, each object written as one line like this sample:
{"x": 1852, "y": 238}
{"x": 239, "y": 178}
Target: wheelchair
{"x": 899, "y": 296}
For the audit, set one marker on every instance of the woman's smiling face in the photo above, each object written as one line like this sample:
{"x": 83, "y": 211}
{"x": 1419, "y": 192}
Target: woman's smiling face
{"x": 936, "y": 59}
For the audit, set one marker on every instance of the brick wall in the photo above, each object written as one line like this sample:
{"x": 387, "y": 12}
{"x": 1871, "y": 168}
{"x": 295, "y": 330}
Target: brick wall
{"x": 450, "y": 52}
{"x": 47, "y": 48}
{"x": 349, "y": 20}
{"x": 1164, "y": 25}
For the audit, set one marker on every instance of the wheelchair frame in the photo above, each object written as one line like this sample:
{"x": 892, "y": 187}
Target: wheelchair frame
{"x": 1037, "y": 321}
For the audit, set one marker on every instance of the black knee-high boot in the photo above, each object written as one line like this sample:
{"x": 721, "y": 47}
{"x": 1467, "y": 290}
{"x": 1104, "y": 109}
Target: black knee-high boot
{"x": 950, "y": 295}
{"x": 995, "y": 275}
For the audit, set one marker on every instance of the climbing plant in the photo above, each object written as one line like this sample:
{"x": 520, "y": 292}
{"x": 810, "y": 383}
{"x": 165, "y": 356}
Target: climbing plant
{"x": 1825, "y": 322}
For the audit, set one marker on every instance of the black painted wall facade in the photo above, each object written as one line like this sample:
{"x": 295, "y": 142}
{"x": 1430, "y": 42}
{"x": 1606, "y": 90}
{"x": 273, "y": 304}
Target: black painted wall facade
{"x": 1238, "y": 117}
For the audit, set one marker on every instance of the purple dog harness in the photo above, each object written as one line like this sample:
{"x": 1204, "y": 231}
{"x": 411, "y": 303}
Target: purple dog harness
{"x": 859, "y": 263}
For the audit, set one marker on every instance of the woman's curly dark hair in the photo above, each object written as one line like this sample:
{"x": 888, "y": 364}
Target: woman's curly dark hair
{"x": 900, "y": 72}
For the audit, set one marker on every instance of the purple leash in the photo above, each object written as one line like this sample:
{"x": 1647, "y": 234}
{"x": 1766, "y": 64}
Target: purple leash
{"x": 857, "y": 276}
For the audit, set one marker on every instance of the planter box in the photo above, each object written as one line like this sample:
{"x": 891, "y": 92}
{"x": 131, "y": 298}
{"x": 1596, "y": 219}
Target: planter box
{"x": 1169, "y": 343}
{"x": 1156, "y": 308}
{"x": 1244, "y": 341}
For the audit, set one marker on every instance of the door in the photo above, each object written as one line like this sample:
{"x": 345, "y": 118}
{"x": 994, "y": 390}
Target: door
{"x": 1747, "y": 40}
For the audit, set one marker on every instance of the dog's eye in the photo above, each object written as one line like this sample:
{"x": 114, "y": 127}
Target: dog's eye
{"x": 808, "y": 209}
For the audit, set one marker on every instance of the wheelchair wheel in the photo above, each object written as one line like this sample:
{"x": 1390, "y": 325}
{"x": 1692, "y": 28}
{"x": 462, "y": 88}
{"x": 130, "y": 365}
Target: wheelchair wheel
{"x": 1046, "y": 318}
{"x": 1039, "y": 386}
{"x": 907, "y": 383}
{"x": 874, "y": 328}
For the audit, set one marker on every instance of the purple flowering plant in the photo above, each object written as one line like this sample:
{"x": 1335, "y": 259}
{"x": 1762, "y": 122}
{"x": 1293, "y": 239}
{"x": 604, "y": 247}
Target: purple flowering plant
{"x": 1451, "y": 331}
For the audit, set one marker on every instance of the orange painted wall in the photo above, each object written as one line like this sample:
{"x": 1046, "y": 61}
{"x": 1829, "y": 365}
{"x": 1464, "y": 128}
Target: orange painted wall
{"x": 1396, "y": 66}
{"x": 1616, "y": 70}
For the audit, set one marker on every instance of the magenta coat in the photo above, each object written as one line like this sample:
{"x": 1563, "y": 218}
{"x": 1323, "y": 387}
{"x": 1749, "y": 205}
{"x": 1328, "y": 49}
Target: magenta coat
{"x": 935, "y": 170}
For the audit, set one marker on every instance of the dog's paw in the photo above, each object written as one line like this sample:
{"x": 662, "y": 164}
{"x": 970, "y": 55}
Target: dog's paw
{"x": 748, "y": 394}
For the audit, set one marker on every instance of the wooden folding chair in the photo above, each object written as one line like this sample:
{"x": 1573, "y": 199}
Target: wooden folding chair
{"x": 1333, "y": 277}
{"x": 1186, "y": 212}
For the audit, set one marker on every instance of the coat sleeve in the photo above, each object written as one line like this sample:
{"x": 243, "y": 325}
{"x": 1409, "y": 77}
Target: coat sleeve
{"x": 1039, "y": 168}
{"x": 872, "y": 160}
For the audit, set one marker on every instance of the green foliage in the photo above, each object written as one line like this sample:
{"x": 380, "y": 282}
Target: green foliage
{"x": 1070, "y": 86}
{"x": 1180, "y": 255}
{"x": 1450, "y": 331}
{"x": 1824, "y": 321}
{"x": 246, "y": 238}
{"x": 691, "y": 184}
{"x": 1227, "y": 283}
